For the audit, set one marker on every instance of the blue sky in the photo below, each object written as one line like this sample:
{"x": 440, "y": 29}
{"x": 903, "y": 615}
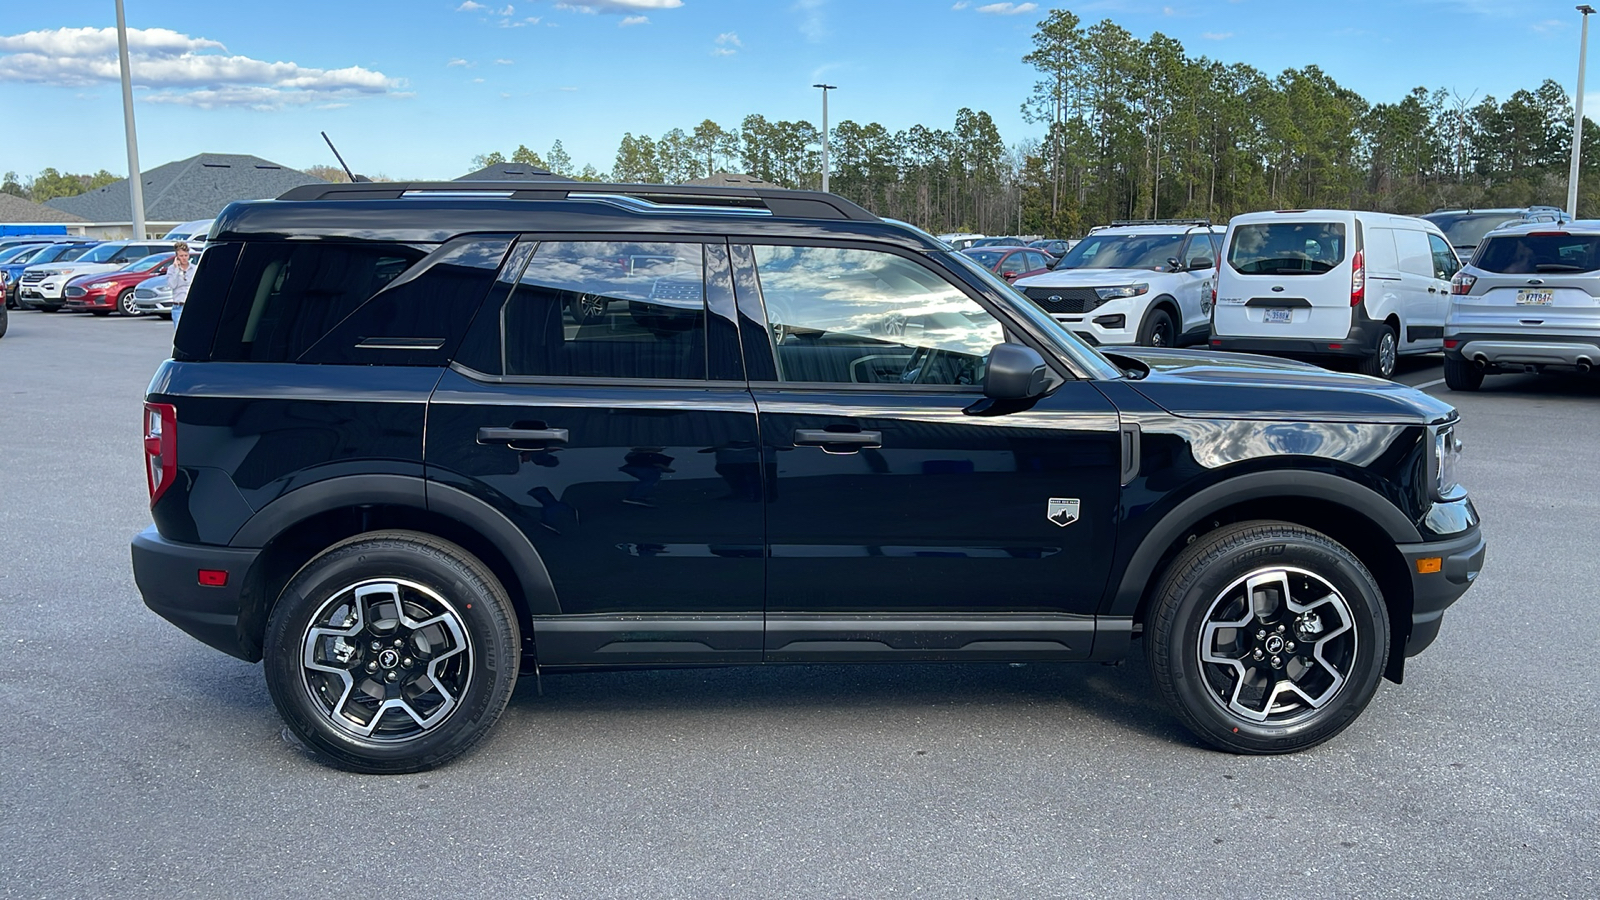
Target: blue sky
{"x": 416, "y": 88}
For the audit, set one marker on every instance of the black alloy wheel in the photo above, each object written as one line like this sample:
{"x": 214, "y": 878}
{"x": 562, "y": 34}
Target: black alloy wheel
{"x": 1157, "y": 330}
{"x": 587, "y": 309}
{"x": 392, "y": 652}
{"x": 1267, "y": 637}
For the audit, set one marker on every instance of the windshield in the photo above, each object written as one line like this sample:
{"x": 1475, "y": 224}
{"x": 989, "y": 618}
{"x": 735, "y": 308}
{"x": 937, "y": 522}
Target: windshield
{"x": 1528, "y": 254}
{"x": 148, "y": 263}
{"x": 102, "y": 253}
{"x": 62, "y": 253}
{"x": 989, "y": 258}
{"x": 1123, "y": 251}
{"x": 19, "y": 253}
{"x": 1286, "y": 248}
{"x": 1468, "y": 229}
{"x": 1065, "y": 341}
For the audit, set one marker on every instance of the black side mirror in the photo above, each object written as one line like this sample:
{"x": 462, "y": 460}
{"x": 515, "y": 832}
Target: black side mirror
{"x": 1200, "y": 264}
{"x": 1174, "y": 264}
{"x": 1015, "y": 372}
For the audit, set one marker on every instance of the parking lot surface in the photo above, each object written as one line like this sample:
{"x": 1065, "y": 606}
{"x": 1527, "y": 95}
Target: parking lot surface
{"x": 140, "y": 763}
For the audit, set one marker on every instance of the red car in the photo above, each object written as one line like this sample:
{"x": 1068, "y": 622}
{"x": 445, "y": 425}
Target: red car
{"x": 104, "y": 293}
{"x": 1011, "y": 263}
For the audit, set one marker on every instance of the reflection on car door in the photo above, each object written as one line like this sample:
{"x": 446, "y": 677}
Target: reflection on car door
{"x": 905, "y": 519}
{"x": 1421, "y": 312}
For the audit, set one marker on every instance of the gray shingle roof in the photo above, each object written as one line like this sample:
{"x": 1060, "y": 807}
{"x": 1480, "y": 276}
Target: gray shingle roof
{"x": 15, "y": 209}
{"x": 511, "y": 172}
{"x": 194, "y": 188}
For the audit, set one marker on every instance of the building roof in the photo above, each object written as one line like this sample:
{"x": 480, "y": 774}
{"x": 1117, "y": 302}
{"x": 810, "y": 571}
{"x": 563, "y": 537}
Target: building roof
{"x": 512, "y": 172}
{"x": 730, "y": 179}
{"x": 194, "y": 188}
{"x": 15, "y": 209}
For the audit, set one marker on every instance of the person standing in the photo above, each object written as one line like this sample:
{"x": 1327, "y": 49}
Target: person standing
{"x": 179, "y": 275}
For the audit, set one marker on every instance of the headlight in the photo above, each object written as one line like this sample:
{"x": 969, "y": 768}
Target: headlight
{"x": 1446, "y": 458}
{"x": 1119, "y": 293}
{"x": 101, "y": 285}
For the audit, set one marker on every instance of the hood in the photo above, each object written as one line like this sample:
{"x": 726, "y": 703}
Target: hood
{"x": 1208, "y": 385}
{"x": 1088, "y": 277}
{"x": 75, "y": 268}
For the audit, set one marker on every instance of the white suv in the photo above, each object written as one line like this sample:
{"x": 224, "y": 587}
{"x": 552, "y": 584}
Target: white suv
{"x": 1134, "y": 283}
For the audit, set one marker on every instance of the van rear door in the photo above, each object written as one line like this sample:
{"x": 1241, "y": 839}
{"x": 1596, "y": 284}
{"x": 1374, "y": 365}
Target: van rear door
{"x": 1291, "y": 277}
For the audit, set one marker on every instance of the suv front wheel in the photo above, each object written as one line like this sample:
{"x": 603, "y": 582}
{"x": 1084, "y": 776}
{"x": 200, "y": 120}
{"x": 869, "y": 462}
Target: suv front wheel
{"x": 392, "y": 652}
{"x": 1267, "y": 637}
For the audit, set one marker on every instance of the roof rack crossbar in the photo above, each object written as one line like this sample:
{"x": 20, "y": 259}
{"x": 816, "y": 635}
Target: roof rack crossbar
{"x": 1116, "y": 223}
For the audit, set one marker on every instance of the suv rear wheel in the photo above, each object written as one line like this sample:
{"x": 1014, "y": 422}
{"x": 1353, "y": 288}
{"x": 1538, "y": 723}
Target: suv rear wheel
{"x": 1460, "y": 375}
{"x": 392, "y": 652}
{"x": 1267, "y": 637}
{"x": 1386, "y": 349}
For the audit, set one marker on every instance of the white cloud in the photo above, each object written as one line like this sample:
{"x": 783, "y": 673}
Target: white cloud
{"x": 477, "y": 81}
{"x": 634, "y": 20}
{"x": 618, "y": 7}
{"x": 504, "y": 62}
{"x": 507, "y": 10}
{"x": 962, "y": 5}
{"x": 470, "y": 6}
{"x": 729, "y": 37}
{"x": 1217, "y": 35}
{"x": 177, "y": 69}
{"x": 1549, "y": 26}
{"x": 1007, "y": 9}
{"x": 722, "y": 51}
{"x": 458, "y": 63}
{"x": 812, "y": 23}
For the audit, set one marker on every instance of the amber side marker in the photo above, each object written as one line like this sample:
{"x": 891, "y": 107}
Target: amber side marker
{"x": 1429, "y": 565}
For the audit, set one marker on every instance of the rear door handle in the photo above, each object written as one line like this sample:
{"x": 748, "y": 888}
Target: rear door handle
{"x": 522, "y": 435}
{"x": 843, "y": 441}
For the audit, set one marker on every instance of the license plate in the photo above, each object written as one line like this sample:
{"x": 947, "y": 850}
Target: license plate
{"x": 1279, "y": 316}
{"x": 1535, "y": 298}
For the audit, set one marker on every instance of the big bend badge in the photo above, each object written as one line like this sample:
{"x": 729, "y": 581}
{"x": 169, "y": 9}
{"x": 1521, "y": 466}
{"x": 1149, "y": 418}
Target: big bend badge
{"x": 1062, "y": 510}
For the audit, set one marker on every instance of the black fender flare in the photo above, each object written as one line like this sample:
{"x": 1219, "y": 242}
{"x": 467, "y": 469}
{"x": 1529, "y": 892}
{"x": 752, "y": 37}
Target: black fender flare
{"x": 417, "y": 493}
{"x": 1252, "y": 486}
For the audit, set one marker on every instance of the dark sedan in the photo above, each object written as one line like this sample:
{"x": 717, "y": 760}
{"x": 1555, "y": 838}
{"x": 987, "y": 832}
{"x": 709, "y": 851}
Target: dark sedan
{"x": 1010, "y": 263}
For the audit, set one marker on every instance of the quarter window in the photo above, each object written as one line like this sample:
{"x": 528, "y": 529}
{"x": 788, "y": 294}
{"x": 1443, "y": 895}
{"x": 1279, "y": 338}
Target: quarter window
{"x": 608, "y": 309}
{"x": 865, "y": 317}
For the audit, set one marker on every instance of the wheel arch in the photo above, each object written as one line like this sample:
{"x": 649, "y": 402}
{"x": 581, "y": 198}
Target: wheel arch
{"x": 1355, "y": 516}
{"x": 293, "y": 529}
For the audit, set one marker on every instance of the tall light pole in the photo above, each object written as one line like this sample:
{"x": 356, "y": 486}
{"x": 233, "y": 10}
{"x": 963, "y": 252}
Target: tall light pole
{"x": 135, "y": 180}
{"x": 825, "y": 89}
{"x": 1577, "y": 122}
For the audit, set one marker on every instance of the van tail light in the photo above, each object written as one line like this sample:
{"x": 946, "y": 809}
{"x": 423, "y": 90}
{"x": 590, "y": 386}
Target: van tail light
{"x": 1462, "y": 283}
{"x": 160, "y": 447}
{"x": 1358, "y": 278}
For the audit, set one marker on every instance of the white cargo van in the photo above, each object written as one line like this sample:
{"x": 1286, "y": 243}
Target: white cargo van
{"x": 1333, "y": 283}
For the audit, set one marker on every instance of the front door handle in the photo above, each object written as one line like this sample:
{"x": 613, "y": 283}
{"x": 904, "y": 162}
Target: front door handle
{"x": 838, "y": 441}
{"x": 522, "y": 435}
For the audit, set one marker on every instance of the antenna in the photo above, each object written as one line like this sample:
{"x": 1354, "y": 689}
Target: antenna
{"x": 353, "y": 176}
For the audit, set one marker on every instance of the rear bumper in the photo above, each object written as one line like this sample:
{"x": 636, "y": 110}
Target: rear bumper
{"x": 1461, "y": 558}
{"x": 167, "y": 575}
{"x": 1361, "y": 342}
{"x": 1499, "y": 348}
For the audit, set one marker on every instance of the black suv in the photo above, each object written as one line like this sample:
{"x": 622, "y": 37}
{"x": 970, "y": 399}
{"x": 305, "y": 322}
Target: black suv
{"x": 416, "y": 439}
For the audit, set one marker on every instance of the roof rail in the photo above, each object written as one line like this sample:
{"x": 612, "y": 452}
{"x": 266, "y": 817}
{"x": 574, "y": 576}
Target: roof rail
{"x": 643, "y": 198}
{"x": 1118, "y": 223}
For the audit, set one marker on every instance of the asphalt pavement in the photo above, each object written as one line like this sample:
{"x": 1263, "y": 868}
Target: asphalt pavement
{"x": 136, "y": 762}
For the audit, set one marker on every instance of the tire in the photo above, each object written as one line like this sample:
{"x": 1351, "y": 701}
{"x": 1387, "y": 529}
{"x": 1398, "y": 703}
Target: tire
{"x": 125, "y": 305}
{"x": 100, "y": 313}
{"x": 429, "y": 621}
{"x": 1460, "y": 375}
{"x": 5, "y": 320}
{"x": 1289, "y": 699}
{"x": 1386, "y": 349}
{"x": 1157, "y": 329}
{"x": 587, "y": 309}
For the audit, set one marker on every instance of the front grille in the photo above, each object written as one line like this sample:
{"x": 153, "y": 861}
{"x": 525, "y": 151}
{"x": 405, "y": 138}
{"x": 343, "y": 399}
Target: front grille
{"x": 75, "y": 291}
{"x": 1064, "y": 300}
{"x": 32, "y": 277}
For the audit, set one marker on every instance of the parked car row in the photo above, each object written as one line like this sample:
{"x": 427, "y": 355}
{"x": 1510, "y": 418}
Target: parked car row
{"x": 55, "y": 272}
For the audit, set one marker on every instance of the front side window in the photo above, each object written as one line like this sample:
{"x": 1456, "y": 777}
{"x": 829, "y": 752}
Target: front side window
{"x": 1287, "y": 248}
{"x": 845, "y": 316}
{"x": 1444, "y": 259}
{"x": 102, "y": 253}
{"x": 1123, "y": 251}
{"x": 1200, "y": 248}
{"x": 608, "y": 309}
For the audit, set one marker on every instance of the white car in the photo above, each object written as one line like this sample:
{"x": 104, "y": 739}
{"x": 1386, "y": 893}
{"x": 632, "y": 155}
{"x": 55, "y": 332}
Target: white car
{"x": 41, "y": 286}
{"x": 1334, "y": 283}
{"x": 192, "y": 233}
{"x": 1134, "y": 283}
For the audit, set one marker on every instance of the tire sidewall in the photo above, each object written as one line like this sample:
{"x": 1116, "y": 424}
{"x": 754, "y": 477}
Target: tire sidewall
{"x": 485, "y": 617}
{"x": 1370, "y": 619}
{"x": 1151, "y": 327}
{"x": 125, "y": 303}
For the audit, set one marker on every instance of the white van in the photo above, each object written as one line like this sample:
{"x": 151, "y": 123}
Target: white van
{"x": 1326, "y": 282}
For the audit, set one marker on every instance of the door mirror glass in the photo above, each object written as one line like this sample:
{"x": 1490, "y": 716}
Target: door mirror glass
{"x": 1202, "y": 263}
{"x": 1015, "y": 372}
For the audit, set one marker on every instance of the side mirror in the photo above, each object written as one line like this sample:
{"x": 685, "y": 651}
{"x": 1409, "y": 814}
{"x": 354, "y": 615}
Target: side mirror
{"x": 1010, "y": 276}
{"x": 1015, "y": 372}
{"x": 1200, "y": 264}
{"x": 1174, "y": 264}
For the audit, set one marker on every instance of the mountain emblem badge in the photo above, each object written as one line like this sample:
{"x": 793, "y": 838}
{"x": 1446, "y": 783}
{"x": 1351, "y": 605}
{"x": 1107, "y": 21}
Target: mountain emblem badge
{"x": 1062, "y": 510}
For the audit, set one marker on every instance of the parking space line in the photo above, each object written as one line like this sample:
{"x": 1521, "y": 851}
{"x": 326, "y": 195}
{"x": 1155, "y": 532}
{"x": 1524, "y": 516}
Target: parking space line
{"x": 1428, "y": 384}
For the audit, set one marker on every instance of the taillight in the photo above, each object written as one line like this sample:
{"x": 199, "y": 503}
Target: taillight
{"x": 160, "y": 447}
{"x": 1358, "y": 278}
{"x": 1462, "y": 283}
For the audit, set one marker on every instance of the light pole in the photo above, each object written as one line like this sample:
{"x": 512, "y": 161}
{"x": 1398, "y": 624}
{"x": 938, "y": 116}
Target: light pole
{"x": 1577, "y": 122}
{"x": 135, "y": 180}
{"x": 824, "y": 130}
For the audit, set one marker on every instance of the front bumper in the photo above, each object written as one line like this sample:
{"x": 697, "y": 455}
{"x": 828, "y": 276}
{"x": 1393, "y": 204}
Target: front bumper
{"x": 1433, "y": 591}
{"x": 166, "y": 573}
{"x": 91, "y": 300}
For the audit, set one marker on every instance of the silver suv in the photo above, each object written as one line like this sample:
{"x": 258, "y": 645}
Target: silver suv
{"x": 1528, "y": 301}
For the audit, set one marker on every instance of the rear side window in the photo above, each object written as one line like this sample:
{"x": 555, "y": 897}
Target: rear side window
{"x": 286, "y": 296}
{"x": 1527, "y": 254}
{"x": 1287, "y": 248}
